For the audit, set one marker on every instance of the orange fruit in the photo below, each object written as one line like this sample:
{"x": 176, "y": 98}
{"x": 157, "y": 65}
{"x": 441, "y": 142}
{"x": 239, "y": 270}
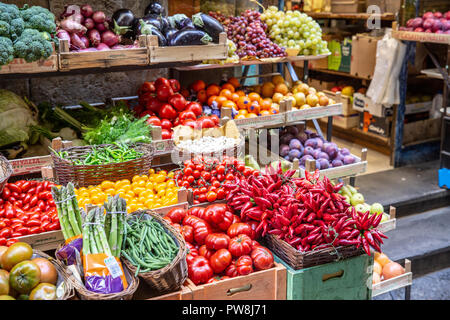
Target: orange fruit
{"x": 254, "y": 96}
{"x": 211, "y": 99}
{"x": 383, "y": 259}
{"x": 277, "y": 97}
{"x": 264, "y": 113}
{"x": 234, "y": 97}
{"x": 240, "y": 116}
{"x": 243, "y": 102}
{"x": 234, "y": 82}
{"x": 256, "y": 89}
{"x": 377, "y": 267}
{"x": 226, "y": 93}
{"x": 198, "y": 85}
{"x": 229, "y": 104}
{"x": 212, "y": 90}
{"x": 281, "y": 88}
{"x": 274, "y": 111}
{"x": 240, "y": 93}
{"x": 254, "y": 107}
{"x": 277, "y": 79}
{"x": 228, "y": 86}
{"x": 243, "y": 111}
{"x": 251, "y": 115}
{"x": 266, "y": 104}
{"x": 267, "y": 89}
{"x": 201, "y": 96}
{"x": 220, "y": 100}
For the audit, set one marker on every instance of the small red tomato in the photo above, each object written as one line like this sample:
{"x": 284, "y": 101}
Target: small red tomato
{"x": 178, "y": 102}
{"x": 187, "y": 115}
{"x": 198, "y": 85}
{"x": 195, "y": 107}
{"x": 162, "y": 82}
{"x": 166, "y": 134}
{"x": 154, "y": 121}
{"x": 174, "y": 84}
{"x": 163, "y": 92}
{"x": 211, "y": 196}
{"x": 148, "y": 86}
{"x": 205, "y": 252}
{"x": 244, "y": 265}
{"x": 166, "y": 124}
{"x": 167, "y": 112}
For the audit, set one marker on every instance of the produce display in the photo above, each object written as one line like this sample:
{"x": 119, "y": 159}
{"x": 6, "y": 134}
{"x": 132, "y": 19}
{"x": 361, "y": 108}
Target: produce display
{"x": 142, "y": 192}
{"x": 23, "y": 277}
{"x": 308, "y": 145}
{"x": 220, "y": 246}
{"x": 430, "y": 22}
{"x": 26, "y": 207}
{"x": 26, "y": 33}
{"x": 384, "y": 268}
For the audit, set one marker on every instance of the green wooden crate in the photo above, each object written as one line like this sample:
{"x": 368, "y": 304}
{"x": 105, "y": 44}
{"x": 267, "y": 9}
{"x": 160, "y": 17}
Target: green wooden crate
{"x": 341, "y": 280}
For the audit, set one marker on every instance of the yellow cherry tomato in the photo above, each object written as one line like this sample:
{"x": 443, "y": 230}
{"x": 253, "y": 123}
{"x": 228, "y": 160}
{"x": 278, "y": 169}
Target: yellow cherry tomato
{"x": 82, "y": 189}
{"x": 110, "y": 191}
{"x": 151, "y": 171}
{"x": 132, "y": 207}
{"x": 121, "y": 183}
{"x": 138, "y": 190}
{"x": 171, "y": 174}
{"x": 107, "y": 185}
{"x": 171, "y": 184}
{"x": 159, "y": 178}
{"x": 130, "y": 194}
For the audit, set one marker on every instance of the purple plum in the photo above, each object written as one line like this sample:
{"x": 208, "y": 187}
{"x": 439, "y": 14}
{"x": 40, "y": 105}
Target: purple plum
{"x": 308, "y": 151}
{"x": 324, "y": 155}
{"x": 339, "y": 156}
{"x": 284, "y": 150}
{"x": 349, "y": 159}
{"x": 316, "y": 153}
{"x": 319, "y": 143}
{"x": 284, "y": 139}
{"x": 304, "y": 158}
{"x": 345, "y": 151}
{"x": 324, "y": 164}
{"x": 311, "y": 143}
{"x": 294, "y": 153}
{"x": 332, "y": 151}
{"x": 302, "y": 137}
{"x": 295, "y": 144}
{"x": 293, "y": 130}
{"x": 337, "y": 163}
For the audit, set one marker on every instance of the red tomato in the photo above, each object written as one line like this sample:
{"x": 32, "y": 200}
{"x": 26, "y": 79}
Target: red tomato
{"x": 178, "y": 102}
{"x": 148, "y": 86}
{"x": 174, "y": 84}
{"x": 205, "y": 252}
{"x": 198, "y": 85}
{"x": 244, "y": 265}
{"x": 153, "y": 104}
{"x": 163, "y": 93}
{"x": 221, "y": 215}
{"x": 162, "y": 82}
{"x": 262, "y": 258}
{"x": 168, "y": 112}
{"x": 199, "y": 270}
{"x": 221, "y": 193}
{"x": 176, "y": 215}
{"x": 211, "y": 196}
{"x": 201, "y": 228}
{"x": 14, "y": 188}
{"x": 241, "y": 228}
{"x": 231, "y": 270}
{"x": 154, "y": 121}
{"x": 166, "y": 124}
{"x": 215, "y": 119}
{"x": 191, "y": 253}
{"x": 216, "y": 241}
{"x": 206, "y": 123}
{"x": 220, "y": 260}
{"x": 217, "y": 278}
{"x": 240, "y": 245}
{"x": 166, "y": 134}
{"x": 195, "y": 107}
{"x": 187, "y": 115}
{"x": 188, "y": 233}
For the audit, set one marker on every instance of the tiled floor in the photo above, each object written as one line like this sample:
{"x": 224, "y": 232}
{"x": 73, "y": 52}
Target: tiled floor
{"x": 376, "y": 161}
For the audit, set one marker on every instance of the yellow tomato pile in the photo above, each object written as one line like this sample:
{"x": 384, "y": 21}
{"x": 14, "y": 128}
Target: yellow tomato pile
{"x": 157, "y": 189}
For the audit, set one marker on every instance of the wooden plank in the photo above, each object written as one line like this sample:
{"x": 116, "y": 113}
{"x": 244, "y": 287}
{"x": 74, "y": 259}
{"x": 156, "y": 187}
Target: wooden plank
{"x": 29, "y": 165}
{"x": 419, "y": 36}
{"x": 313, "y": 113}
{"x": 357, "y": 16}
{"x": 44, "y": 241}
{"x": 395, "y": 283}
{"x": 187, "y": 53}
{"x": 70, "y": 60}
{"x": 389, "y": 224}
{"x": 21, "y": 66}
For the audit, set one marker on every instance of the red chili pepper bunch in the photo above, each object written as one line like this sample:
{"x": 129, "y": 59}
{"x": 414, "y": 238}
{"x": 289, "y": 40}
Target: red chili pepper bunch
{"x": 26, "y": 207}
{"x": 219, "y": 245}
{"x": 206, "y": 177}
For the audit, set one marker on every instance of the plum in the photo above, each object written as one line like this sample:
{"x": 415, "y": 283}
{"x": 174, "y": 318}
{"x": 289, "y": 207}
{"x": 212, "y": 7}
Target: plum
{"x": 308, "y": 151}
{"x": 339, "y": 156}
{"x": 345, "y": 151}
{"x": 302, "y": 137}
{"x": 284, "y": 150}
{"x": 409, "y": 22}
{"x": 337, "y": 163}
{"x": 332, "y": 151}
{"x": 311, "y": 143}
{"x": 284, "y": 139}
{"x": 428, "y": 15}
{"x": 324, "y": 155}
{"x": 349, "y": 159}
{"x": 304, "y": 158}
{"x": 316, "y": 153}
{"x": 319, "y": 143}
{"x": 308, "y": 132}
{"x": 294, "y": 154}
{"x": 295, "y": 144}
{"x": 293, "y": 130}
{"x": 324, "y": 164}
{"x": 445, "y": 25}
{"x": 438, "y": 14}
{"x": 325, "y": 145}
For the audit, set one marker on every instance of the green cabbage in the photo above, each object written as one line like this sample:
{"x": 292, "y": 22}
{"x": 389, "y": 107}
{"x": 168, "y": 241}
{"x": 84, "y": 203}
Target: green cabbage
{"x": 16, "y": 116}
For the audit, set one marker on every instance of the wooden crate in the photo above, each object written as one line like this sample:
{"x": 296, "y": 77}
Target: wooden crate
{"x": 187, "y": 53}
{"x": 312, "y": 113}
{"x": 21, "y": 66}
{"x": 395, "y": 283}
{"x": 257, "y": 122}
{"x": 44, "y": 241}
{"x": 389, "y": 224}
{"x": 344, "y": 122}
{"x": 145, "y": 292}
{"x": 347, "y": 279}
{"x": 419, "y": 36}
{"x": 348, "y": 6}
{"x": 267, "y": 284}
{"x": 71, "y": 60}
{"x": 347, "y": 102}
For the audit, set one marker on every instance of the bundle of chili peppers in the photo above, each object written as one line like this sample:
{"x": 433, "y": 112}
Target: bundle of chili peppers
{"x": 307, "y": 213}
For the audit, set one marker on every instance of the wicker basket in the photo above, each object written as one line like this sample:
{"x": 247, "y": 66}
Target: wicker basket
{"x": 5, "y": 172}
{"x": 84, "y": 294}
{"x": 86, "y": 175}
{"x": 180, "y": 155}
{"x": 67, "y": 288}
{"x": 298, "y": 260}
{"x": 172, "y": 276}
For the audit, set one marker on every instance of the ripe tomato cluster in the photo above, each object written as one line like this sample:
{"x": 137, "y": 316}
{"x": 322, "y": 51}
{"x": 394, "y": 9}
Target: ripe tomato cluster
{"x": 206, "y": 177}
{"x": 26, "y": 207}
{"x": 219, "y": 244}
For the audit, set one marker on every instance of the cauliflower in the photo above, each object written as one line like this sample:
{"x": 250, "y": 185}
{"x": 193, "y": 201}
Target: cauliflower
{"x": 6, "y": 51}
{"x": 38, "y": 18}
{"x": 11, "y": 23}
{"x": 32, "y": 46}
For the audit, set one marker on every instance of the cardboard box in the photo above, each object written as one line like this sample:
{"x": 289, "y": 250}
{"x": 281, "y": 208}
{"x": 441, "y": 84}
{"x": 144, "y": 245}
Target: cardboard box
{"x": 377, "y": 125}
{"x": 321, "y": 85}
{"x": 363, "y": 55}
{"x": 341, "y": 52}
{"x": 391, "y": 6}
{"x": 348, "y": 6}
{"x": 344, "y": 122}
{"x": 318, "y": 64}
{"x": 418, "y": 107}
{"x": 362, "y": 103}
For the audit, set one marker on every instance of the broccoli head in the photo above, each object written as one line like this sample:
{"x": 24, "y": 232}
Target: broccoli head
{"x": 6, "y": 51}
{"x": 32, "y": 46}
{"x": 9, "y": 12}
{"x": 39, "y": 18}
{"x": 11, "y": 23}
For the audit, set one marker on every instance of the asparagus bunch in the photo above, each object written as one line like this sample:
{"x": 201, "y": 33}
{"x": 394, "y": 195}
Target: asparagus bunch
{"x": 116, "y": 209}
{"x": 94, "y": 236}
{"x": 68, "y": 211}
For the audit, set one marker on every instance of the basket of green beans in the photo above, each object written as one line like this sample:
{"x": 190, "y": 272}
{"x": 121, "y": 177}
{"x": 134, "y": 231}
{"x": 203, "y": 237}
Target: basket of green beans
{"x": 155, "y": 251}
{"x": 91, "y": 165}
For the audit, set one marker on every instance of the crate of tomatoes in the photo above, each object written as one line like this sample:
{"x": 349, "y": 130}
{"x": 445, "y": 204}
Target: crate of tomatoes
{"x": 224, "y": 259}
{"x": 28, "y": 214}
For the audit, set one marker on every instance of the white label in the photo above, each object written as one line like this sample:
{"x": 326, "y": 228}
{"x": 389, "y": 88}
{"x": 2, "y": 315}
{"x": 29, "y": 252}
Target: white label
{"x": 113, "y": 267}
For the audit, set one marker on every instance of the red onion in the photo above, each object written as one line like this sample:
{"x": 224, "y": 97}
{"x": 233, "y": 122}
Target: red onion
{"x": 99, "y": 16}
{"x": 63, "y": 35}
{"x": 86, "y": 10}
{"x": 85, "y": 41}
{"x": 89, "y": 23}
{"x": 102, "y": 46}
{"x": 438, "y": 14}
{"x": 72, "y": 26}
{"x": 110, "y": 38}
{"x": 102, "y": 27}
{"x": 428, "y": 15}
{"x": 76, "y": 42}
{"x": 94, "y": 37}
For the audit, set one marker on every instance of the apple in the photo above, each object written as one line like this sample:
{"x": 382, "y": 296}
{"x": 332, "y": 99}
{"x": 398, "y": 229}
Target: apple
{"x": 360, "y": 208}
{"x": 357, "y": 198}
{"x": 438, "y": 15}
{"x": 428, "y": 23}
{"x": 428, "y": 15}
{"x": 376, "y": 208}
{"x": 300, "y": 98}
{"x": 347, "y": 199}
{"x": 384, "y": 218}
{"x": 352, "y": 189}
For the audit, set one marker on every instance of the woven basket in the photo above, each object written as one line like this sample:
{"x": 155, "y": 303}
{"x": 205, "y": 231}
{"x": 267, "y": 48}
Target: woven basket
{"x": 180, "y": 155}
{"x": 300, "y": 260}
{"x": 172, "y": 276}
{"x": 5, "y": 172}
{"x": 67, "y": 288}
{"x": 86, "y": 175}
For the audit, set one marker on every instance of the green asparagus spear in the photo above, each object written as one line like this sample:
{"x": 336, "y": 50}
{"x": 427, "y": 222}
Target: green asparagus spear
{"x": 70, "y": 231}
{"x": 69, "y": 207}
{"x": 76, "y": 208}
{"x": 86, "y": 249}
{"x": 101, "y": 233}
{"x": 108, "y": 216}
{"x": 113, "y": 233}
{"x": 122, "y": 208}
{"x": 57, "y": 198}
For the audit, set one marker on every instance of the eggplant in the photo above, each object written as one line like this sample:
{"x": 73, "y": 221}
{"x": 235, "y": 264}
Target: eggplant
{"x": 176, "y": 19}
{"x": 150, "y": 29}
{"x": 154, "y": 20}
{"x": 123, "y": 20}
{"x": 155, "y": 8}
{"x": 165, "y": 25}
{"x": 184, "y": 23}
{"x": 187, "y": 37}
{"x": 169, "y": 33}
{"x": 208, "y": 24}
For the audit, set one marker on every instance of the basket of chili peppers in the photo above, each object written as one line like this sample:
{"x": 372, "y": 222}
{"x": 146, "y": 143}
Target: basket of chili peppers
{"x": 304, "y": 221}
{"x": 90, "y": 165}
{"x": 5, "y": 171}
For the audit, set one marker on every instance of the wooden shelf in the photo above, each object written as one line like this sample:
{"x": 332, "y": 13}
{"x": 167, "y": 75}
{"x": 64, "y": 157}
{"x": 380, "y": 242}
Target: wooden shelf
{"x": 419, "y": 36}
{"x": 338, "y": 73}
{"x": 355, "y": 16}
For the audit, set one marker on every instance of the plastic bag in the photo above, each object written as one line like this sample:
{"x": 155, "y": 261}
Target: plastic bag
{"x": 103, "y": 273}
